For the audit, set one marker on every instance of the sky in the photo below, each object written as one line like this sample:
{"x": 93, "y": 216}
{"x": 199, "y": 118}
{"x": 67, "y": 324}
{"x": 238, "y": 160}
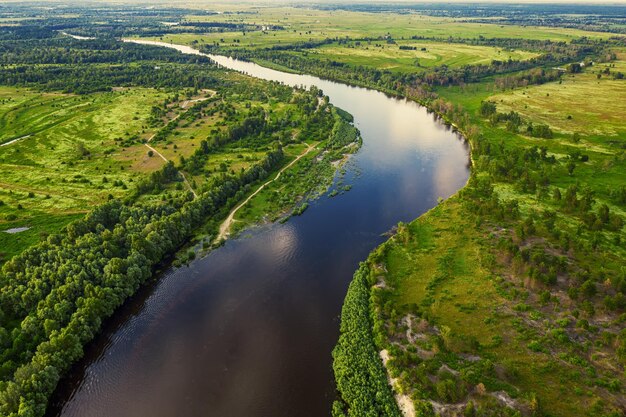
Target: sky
{"x": 204, "y": 2}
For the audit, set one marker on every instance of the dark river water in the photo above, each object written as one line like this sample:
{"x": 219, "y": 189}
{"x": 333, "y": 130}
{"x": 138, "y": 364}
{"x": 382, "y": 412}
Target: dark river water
{"x": 248, "y": 330}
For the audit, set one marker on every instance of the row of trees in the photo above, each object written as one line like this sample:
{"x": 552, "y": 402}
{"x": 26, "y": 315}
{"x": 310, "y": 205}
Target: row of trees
{"x": 66, "y": 50}
{"x": 89, "y": 78}
{"x": 360, "y": 376}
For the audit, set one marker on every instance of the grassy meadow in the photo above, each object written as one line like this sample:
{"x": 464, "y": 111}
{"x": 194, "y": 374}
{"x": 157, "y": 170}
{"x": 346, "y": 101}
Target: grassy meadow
{"x": 581, "y": 103}
{"x": 310, "y": 25}
{"x": 425, "y": 54}
{"x": 69, "y": 158}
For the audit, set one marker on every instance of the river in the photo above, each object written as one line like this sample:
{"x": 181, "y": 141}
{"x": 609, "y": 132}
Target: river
{"x": 248, "y": 330}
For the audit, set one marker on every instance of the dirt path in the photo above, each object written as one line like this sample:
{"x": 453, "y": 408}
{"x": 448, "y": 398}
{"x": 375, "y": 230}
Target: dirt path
{"x": 225, "y": 226}
{"x": 165, "y": 159}
{"x": 155, "y": 133}
{"x": 181, "y": 173}
{"x": 15, "y": 140}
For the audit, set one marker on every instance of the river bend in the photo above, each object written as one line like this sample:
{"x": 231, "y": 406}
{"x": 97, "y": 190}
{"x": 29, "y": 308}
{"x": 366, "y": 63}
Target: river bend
{"x": 248, "y": 330}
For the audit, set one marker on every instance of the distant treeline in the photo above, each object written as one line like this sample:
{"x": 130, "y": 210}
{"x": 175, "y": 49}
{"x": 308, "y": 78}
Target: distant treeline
{"x": 590, "y": 17}
{"x": 84, "y": 66}
{"x": 83, "y": 79}
{"x": 66, "y": 50}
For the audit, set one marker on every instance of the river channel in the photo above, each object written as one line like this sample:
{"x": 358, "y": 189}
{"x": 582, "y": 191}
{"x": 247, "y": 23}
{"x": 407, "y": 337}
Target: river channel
{"x": 248, "y": 330}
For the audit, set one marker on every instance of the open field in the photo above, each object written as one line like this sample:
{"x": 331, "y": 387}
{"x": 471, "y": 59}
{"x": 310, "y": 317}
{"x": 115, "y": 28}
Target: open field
{"x": 69, "y": 160}
{"x": 381, "y": 55}
{"x": 582, "y": 103}
{"x": 306, "y": 25}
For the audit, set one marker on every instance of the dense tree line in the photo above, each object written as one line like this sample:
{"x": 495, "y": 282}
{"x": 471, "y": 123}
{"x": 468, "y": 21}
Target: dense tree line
{"x": 360, "y": 375}
{"x": 66, "y": 50}
{"x": 87, "y": 66}
{"x": 54, "y": 296}
{"x": 83, "y": 79}
{"x": 343, "y": 132}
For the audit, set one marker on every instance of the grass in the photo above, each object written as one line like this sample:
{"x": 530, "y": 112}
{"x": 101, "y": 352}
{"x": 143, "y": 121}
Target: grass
{"x": 80, "y": 150}
{"x": 381, "y": 55}
{"x": 596, "y": 107}
{"x": 439, "y": 266}
{"x": 229, "y": 158}
{"x": 306, "y": 177}
{"x": 305, "y": 25}
{"x": 59, "y": 170}
{"x": 582, "y": 103}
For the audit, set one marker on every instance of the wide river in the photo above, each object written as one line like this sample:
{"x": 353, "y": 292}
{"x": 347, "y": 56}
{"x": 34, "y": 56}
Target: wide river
{"x": 248, "y": 330}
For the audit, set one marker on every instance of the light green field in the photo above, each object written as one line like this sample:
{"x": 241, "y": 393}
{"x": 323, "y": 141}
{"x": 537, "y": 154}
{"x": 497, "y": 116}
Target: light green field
{"x": 303, "y": 25}
{"x": 381, "y": 55}
{"x": 333, "y": 23}
{"x": 57, "y": 171}
{"x": 596, "y": 106}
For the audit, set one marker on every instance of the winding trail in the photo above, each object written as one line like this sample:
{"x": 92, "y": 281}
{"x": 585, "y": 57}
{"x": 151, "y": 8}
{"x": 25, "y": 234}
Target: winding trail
{"x": 166, "y": 160}
{"x": 181, "y": 173}
{"x": 227, "y": 223}
{"x": 15, "y": 140}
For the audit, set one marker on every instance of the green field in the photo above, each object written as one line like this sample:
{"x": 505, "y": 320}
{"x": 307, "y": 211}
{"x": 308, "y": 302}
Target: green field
{"x": 302, "y": 24}
{"x": 69, "y": 158}
{"x": 306, "y": 25}
{"x": 381, "y": 55}
{"x": 582, "y": 103}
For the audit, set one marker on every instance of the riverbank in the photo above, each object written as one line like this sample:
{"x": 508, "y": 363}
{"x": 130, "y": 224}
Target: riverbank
{"x": 224, "y": 229}
{"x": 383, "y": 171}
{"x": 472, "y": 292}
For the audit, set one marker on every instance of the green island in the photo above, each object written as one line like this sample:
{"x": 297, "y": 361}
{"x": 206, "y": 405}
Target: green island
{"x": 507, "y": 299}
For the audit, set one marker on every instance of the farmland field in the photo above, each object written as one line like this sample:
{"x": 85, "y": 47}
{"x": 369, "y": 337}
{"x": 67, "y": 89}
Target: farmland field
{"x": 424, "y": 54}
